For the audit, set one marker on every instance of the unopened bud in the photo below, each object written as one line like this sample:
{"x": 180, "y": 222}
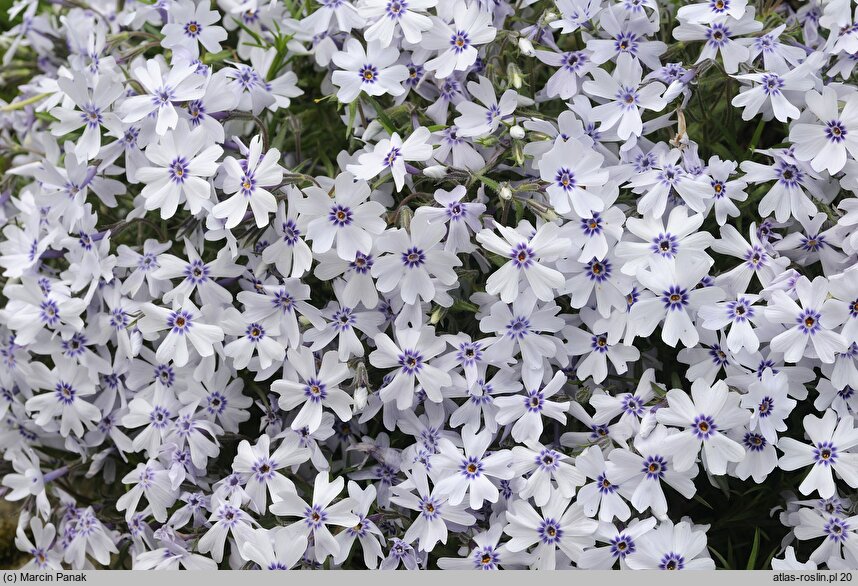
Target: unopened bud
{"x": 435, "y": 171}
{"x": 487, "y": 141}
{"x": 437, "y": 315}
{"x": 360, "y": 399}
{"x": 526, "y": 47}
{"x": 405, "y": 215}
{"x": 516, "y": 131}
{"x": 518, "y": 153}
{"x": 513, "y": 73}
{"x": 505, "y": 193}
{"x": 648, "y": 422}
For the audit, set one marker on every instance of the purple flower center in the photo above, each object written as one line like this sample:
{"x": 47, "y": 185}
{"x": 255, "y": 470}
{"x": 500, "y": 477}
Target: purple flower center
{"x": 808, "y": 321}
{"x": 825, "y": 453}
{"x": 522, "y": 255}
{"x": 835, "y": 131}
{"x": 459, "y": 41}
{"x": 654, "y": 467}
{"x": 368, "y": 73}
{"x": 704, "y": 427}
{"x": 413, "y": 258}
{"x": 675, "y": 298}
{"x": 411, "y": 361}
{"x": 315, "y": 390}
{"x": 65, "y": 393}
{"x": 179, "y": 321}
{"x": 549, "y": 531}
{"x": 340, "y": 216}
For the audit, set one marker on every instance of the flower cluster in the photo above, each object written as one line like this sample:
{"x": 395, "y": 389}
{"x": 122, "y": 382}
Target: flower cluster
{"x": 457, "y": 284}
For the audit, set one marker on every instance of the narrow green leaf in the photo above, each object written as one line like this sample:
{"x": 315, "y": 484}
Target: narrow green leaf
{"x": 383, "y": 118}
{"x": 726, "y": 566}
{"x": 462, "y": 305}
{"x": 210, "y": 58}
{"x": 755, "y": 549}
{"x": 703, "y": 502}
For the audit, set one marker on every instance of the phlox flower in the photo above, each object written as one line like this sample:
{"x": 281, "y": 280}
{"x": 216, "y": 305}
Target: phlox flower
{"x": 675, "y": 287}
{"x": 770, "y": 405}
{"x": 373, "y": 71}
{"x": 721, "y": 38}
{"x": 152, "y": 481}
{"x": 557, "y": 525}
{"x": 826, "y": 143}
{"x": 547, "y": 470}
{"x": 93, "y": 112}
{"x": 680, "y": 546}
{"x": 391, "y": 155}
{"x": 184, "y": 324}
{"x": 347, "y": 218}
{"x": 68, "y": 386}
{"x": 315, "y": 517}
{"x": 643, "y": 472}
{"x": 182, "y": 161}
{"x": 625, "y": 97}
{"x": 191, "y": 25}
{"x": 457, "y": 42}
{"x": 472, "y": 471}
{"x": 260, "y": 468}
{"x": 477, "y": 120}
{"x": 247, "y": 180}
{"x": 410, "y": 356}
{"x": 410, "y": 17}
{"x": 574, "y": 173}
{"x": 180, "y": 84}
{"x": 365, "y": 531}
{"x": 831, "y": 439}
{"x": 705, "y": 416}
{"x": 316, "y": 389}
{"x": 274, "y": 549}
{"x": 526, "y": 410}
{"x": 415, "y": 259}
{"x": 619, "y": 544}
{"x": 810, "y": 325}
{"x": 434, "y": 509}
{"x": 528, "y": 252}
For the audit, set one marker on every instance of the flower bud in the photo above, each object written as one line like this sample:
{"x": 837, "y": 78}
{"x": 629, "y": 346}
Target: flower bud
{"x": 526, "y": 47}
{"x": 435, "y": 171}
{"x": 517, "y": 152}
{"x": 505, "y": 192}
{"x": 513, "y": 73}
{"x": 437, "y": 315}
{"x": 648, "y": 423}
{"x": 360, "y": 399}
{"x": 405, "y": 215}
{"x": 516, "y": 132}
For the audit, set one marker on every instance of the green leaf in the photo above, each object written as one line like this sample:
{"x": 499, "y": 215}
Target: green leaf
{"x": 703, "y": 502}
{"x": 383, "y": 118}
{"x": 726, "y": 566}
{"x": 758, "y": 132}
{"x": 210, "y": 58}
{"x": 755, "y": 549}
{"x": 768, "y": 563}
{"x": 462, "y": 305}
{"x": 659, "y": 392}
{"x": 44, "y": 116}
{"x": 490, "y": 183}
{"x": 352, "y": 114}
{"x": 722, "y": 483}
